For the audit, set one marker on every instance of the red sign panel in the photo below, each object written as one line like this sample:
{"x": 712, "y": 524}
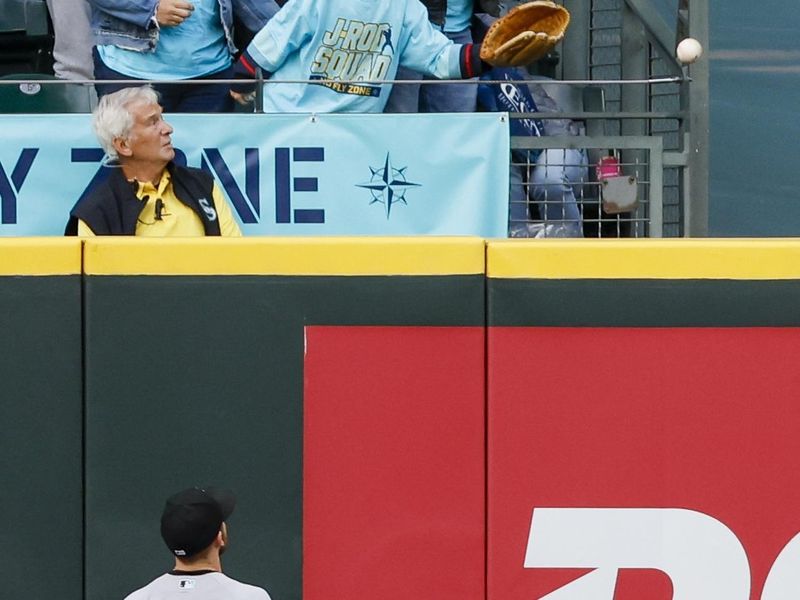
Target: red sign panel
{"x": 643, "y": 463}
{"x": 394, "y": 463}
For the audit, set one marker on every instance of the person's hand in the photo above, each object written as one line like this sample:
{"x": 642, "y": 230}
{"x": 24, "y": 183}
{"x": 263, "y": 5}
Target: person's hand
{"x": 244, "y": 91}
{"x": 173, "y": 12}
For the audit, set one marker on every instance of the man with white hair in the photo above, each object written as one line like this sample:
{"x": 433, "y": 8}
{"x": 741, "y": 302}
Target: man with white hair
{"x": 147, "y": 194}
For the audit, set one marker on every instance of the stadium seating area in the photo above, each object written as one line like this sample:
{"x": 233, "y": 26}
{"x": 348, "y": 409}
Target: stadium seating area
{"x": 656, "y": 170}
{"x": 26, "y": 37}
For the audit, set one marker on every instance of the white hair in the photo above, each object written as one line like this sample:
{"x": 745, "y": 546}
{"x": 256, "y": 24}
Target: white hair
{"x": 112, "y": 118}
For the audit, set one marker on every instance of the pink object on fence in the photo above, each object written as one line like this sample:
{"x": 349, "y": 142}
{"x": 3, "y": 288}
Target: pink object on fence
{"x": 608, "y": 166}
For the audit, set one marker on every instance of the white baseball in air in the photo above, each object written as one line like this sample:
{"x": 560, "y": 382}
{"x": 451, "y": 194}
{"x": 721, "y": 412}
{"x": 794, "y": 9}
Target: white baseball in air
{"x": 689, "y": 50}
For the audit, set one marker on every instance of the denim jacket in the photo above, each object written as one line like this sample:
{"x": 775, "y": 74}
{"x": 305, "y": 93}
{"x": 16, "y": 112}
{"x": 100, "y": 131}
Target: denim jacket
{"x": 131, "y": 24}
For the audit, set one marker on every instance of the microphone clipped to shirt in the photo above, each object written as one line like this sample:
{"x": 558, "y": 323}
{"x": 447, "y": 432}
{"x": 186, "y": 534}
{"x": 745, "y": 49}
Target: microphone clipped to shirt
{"x": 159, "y": 208}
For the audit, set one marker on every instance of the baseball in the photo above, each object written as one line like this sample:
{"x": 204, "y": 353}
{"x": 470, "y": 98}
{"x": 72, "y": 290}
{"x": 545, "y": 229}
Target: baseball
{"x": 689, "y": 50}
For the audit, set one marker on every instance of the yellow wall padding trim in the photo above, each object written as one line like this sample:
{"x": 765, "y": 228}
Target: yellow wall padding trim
{"x": 284, "y": 256}
{"x": 755, "y": 259}
{"x": 40, "y": 256}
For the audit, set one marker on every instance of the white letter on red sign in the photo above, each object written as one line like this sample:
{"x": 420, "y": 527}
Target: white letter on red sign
{"x": 702, "y": 557}
{"x": 783, "y": 581}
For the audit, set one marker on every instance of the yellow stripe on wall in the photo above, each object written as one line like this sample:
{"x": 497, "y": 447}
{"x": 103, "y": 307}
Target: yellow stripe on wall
{"x": 40, "y": 256}
{"x": 284, "y": 256}
{"x": 744, "y": 259}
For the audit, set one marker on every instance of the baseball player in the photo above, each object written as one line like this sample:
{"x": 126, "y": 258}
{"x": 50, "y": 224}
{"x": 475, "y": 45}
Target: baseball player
{"x": 353, "y": 48}
{"x": 193, "y": 527}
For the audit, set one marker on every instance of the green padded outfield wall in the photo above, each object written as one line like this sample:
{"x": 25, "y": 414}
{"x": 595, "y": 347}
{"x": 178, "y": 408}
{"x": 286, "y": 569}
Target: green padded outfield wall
{"x": 40, "y": 432}
{"x": 195, "y": 375}
{"x": 344, "y": 388}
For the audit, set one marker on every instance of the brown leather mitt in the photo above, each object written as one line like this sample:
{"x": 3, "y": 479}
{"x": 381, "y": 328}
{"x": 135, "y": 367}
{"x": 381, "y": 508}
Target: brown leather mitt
{"x": 525, "y": 34}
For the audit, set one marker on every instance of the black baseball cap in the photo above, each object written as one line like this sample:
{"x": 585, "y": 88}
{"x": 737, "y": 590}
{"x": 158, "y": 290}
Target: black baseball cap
{"x": 192, "y": 518}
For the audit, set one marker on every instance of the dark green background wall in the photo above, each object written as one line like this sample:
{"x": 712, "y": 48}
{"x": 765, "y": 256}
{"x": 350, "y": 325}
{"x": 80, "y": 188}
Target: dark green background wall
{"x": 41, "y": 503}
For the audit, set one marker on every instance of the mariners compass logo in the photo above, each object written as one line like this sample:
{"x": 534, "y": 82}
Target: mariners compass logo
{"x": 388, "y": 185}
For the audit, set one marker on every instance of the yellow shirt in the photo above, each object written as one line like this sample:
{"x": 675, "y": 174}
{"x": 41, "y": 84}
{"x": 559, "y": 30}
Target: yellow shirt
{"x": 177, "y": 219}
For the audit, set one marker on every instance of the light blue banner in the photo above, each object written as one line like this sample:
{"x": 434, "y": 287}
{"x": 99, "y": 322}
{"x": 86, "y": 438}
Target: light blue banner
{"x": 286, "y": 174}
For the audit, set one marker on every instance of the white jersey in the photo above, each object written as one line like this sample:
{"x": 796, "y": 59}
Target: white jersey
{"x": 204, "y": 585}
{"x": 347, "y": 40}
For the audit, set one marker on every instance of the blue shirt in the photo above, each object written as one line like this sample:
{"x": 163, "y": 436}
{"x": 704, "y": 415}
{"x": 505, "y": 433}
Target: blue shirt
{"x": 347, "y": 40}
{"x": 459, "y": 15}
{"x": 195, "y": 48}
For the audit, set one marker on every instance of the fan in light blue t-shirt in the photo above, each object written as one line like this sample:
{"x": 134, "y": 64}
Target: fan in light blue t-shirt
{"x": 195, "y": 48}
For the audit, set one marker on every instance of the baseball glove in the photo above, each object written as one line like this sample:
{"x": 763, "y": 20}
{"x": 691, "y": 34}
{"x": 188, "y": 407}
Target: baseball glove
{"x": 525, "y": 34}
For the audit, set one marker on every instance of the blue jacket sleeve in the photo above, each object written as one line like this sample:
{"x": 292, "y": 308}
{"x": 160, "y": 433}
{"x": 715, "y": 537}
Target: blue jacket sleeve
{"x": 138, "y": 12}
{"x": 254, "y": 14}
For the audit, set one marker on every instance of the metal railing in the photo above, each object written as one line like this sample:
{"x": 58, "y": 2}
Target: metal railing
{"x": 644, "y": 173}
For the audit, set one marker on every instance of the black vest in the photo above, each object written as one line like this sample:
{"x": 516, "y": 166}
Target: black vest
{"x": 112, "y": 208}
